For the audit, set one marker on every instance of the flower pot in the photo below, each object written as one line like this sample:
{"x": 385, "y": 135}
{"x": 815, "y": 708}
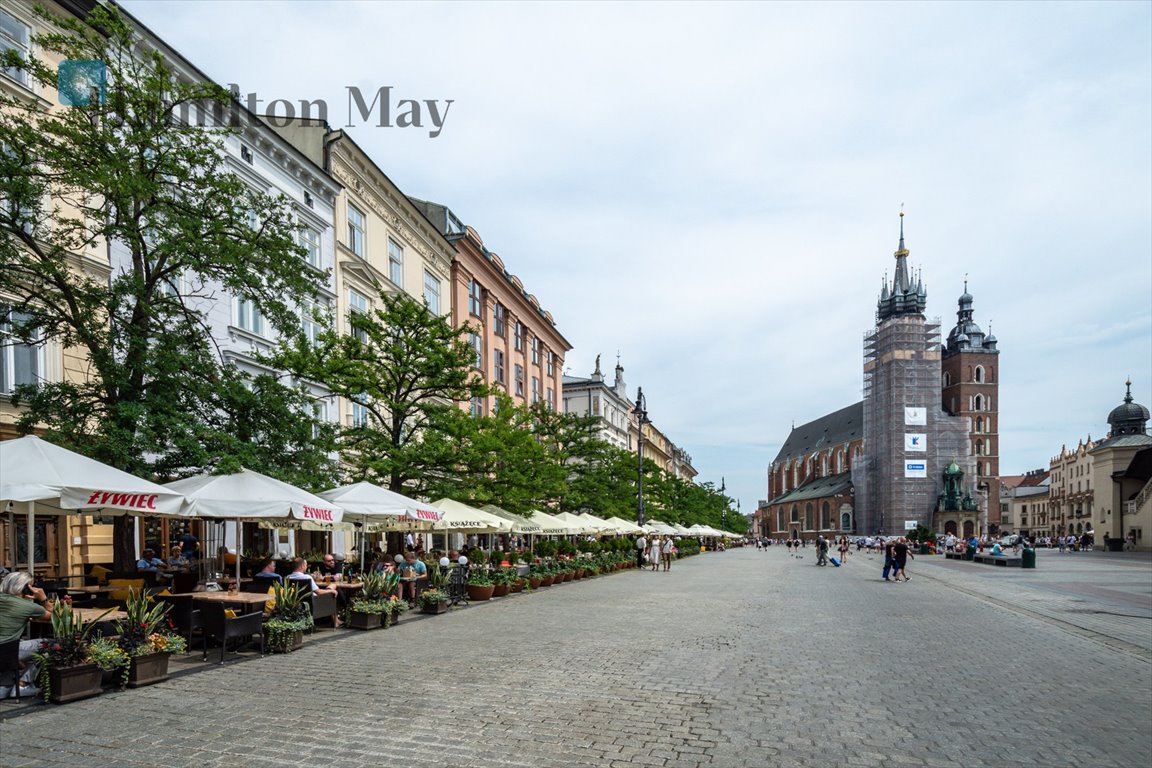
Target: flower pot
{"x": 546, "y": 581}
{"x": 500, "y": 590}
{"x": 534, "y": 582}
{"x": 362, "y": 620}
{"x": 518, "y": 585}
{"x": 148, "y": 669}
{"x": 293, "y": 642}
{"x": 74, "y": 683}
{"x": 477, "y": 592}
{"x": 440, "y": 606}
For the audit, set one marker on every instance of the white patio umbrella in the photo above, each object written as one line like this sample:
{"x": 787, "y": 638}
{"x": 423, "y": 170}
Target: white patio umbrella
{"x": 369, "y": 504}
{"x": 552, "y": 526}
{"x": 578, "y": 523}
{"x": 625, "y": 526}
{"x": 461, "y": 517}
{"x": 248, "y": 495}
{"x": 33, "y": 470}
{"x": 520, "y": 524}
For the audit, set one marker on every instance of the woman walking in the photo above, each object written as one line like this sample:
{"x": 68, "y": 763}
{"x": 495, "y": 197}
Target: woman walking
{"x": 654, "y": 552}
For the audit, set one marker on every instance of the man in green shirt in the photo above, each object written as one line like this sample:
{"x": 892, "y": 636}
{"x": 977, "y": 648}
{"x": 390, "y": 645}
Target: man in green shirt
{"x": 19, "y": 602}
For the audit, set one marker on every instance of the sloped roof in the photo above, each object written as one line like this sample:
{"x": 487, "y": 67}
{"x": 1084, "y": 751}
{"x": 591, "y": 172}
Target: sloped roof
{"x": 832, "y": 485}
{"x": 837, "y": 427}
{"x": 1123, "y": 441}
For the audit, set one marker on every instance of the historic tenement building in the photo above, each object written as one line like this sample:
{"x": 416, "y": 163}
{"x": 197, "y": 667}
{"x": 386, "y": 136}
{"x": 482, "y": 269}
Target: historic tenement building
{"x": 593, "y": 396}
{"x": 517, "y": 344}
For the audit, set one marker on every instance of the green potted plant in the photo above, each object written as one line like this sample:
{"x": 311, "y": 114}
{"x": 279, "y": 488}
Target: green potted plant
{"x": 433, "y": 601}
{"x": 289, "y": 619}
{"x": 502, "y": 581}
{"x": 144, "y": 637}
{"x": 480, "y": 586}
{"x": 393, "y": 607}
{"x": 113, "y": 661}
{"x": 64, "y": 669}
{"x": 367, "y": 609}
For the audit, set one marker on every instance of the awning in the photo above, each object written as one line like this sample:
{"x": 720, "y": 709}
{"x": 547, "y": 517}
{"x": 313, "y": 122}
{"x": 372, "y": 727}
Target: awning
{"x": 461, "y": 517}
{"x": 520, "y": 524}
{"x": 248, "y": 495}
{"x": 369, "y": 502}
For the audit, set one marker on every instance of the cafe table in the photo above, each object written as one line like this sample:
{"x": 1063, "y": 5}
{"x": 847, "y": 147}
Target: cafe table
{"x": 40, "y": 628}
{"x": 249, "y": 600}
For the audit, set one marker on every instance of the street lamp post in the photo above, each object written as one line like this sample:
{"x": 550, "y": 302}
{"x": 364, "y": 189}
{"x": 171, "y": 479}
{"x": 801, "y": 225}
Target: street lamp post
{"x": 641, "y": 414}
{"x": 724, "y": 509}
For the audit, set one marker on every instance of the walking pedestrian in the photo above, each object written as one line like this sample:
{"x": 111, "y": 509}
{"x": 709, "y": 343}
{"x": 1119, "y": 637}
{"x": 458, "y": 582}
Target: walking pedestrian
{"x": 654, "y": 553}
{"x": 900, "y": 554}
{"x": 666, "y": 551}
{"x": 821, "y": 550}
{"x": 641, "y": 548}
{"x": 889, "y": 558}
{"x": 843, "y": 549}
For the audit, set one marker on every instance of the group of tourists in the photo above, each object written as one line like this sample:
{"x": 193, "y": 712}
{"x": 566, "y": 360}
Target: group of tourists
{"x": 655, "y": 550}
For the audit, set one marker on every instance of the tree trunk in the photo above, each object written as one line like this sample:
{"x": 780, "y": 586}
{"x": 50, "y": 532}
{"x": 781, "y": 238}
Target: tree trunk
{"x": 123, "y": 544}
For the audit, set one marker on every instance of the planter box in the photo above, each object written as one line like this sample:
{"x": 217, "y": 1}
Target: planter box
{"x": 74, "y": 683}
{"x": 500, "y": 590}
{"x": 365, "y": 621}
{"x": 440, "y": 606}
{"x": 148, "y": 669}
{"x": 546, "y": 581}
{"x": 296, "y": 643}
{"x": 534, "y": 582}
{"x": 476, "y": 592}
{"x": 518, "y": 585}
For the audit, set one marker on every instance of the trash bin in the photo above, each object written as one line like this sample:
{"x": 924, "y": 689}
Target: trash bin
{"x": 923, "y": 549}
{"x": 970, "y": 552}
{"x": 1028, "y": 558}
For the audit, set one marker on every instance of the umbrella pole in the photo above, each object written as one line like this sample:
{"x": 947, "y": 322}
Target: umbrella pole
{"x": 239, "y": 537}
{"x": 12, "y": 537}
{"x": 31, "y": 537}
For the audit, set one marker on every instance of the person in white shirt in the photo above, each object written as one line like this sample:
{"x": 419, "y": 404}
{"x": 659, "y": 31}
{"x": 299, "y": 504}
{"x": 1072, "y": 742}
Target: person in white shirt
{"x": 666, "y": 552}
{"x": 641, "y": 548}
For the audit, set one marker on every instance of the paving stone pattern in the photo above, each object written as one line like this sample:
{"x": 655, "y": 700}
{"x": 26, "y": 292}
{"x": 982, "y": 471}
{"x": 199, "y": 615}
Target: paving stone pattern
{"x": 742, "y": 658}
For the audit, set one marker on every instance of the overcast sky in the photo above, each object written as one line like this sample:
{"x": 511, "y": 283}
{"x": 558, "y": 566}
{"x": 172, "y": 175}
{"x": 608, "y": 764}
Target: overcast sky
{"x": 712, "y": 189}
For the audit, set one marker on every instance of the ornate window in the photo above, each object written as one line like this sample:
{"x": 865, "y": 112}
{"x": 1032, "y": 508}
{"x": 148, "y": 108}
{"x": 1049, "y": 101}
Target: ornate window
{"x": 979, "y": 374}
{"x": 825, "y": 516}
{"x": 356, "y": 230}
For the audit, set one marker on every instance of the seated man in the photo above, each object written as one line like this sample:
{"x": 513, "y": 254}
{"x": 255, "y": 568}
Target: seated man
{"x": 300, "y": 576}
{"x": 268, "y": 572}
{"x": 413, "y": 569}
{"x": 149, "y": 562}
{"x": 20, "y": 602}
{"x": 328, "y": 566}
{"x": 997, "y": 551}
{"x": 176, "y": 558}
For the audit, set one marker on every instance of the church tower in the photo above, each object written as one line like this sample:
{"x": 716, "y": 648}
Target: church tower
{"x": 970, "y": 387}
{"x": 908, "y": 439}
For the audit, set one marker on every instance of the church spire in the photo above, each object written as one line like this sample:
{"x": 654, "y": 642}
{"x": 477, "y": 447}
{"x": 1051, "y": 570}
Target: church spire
{"x": 907, "y": 296}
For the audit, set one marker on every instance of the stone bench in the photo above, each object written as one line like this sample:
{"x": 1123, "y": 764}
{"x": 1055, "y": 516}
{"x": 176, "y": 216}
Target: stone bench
{"x": 954, "y": 555}
{"x": 1001, "y": 560}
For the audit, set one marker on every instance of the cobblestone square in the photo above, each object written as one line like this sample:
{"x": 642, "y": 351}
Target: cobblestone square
{"x": 958, "y": 667}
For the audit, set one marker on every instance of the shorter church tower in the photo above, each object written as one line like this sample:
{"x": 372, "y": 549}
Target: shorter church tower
{"x": 970, "y": 387}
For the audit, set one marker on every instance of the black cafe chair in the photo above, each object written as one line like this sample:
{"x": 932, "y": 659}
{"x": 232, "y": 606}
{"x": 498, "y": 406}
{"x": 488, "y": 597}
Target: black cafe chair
{"x": 10, "y": 667}
{"x": 183, "y": 614}
{"x": 222, "y": 629}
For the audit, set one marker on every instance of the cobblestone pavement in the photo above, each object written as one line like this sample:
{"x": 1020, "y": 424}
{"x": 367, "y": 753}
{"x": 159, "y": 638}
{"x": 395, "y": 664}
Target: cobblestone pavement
{"x": 742, "y": 658}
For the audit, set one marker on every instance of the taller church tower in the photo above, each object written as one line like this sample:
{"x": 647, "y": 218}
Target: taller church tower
{"x": 971, "y": 388}
{"x": 908, "y": 439}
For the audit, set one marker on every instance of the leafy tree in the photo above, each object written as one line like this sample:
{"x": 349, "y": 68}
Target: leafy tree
{"x": 410, "y": 370}
{"x": 120, "y": 225}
